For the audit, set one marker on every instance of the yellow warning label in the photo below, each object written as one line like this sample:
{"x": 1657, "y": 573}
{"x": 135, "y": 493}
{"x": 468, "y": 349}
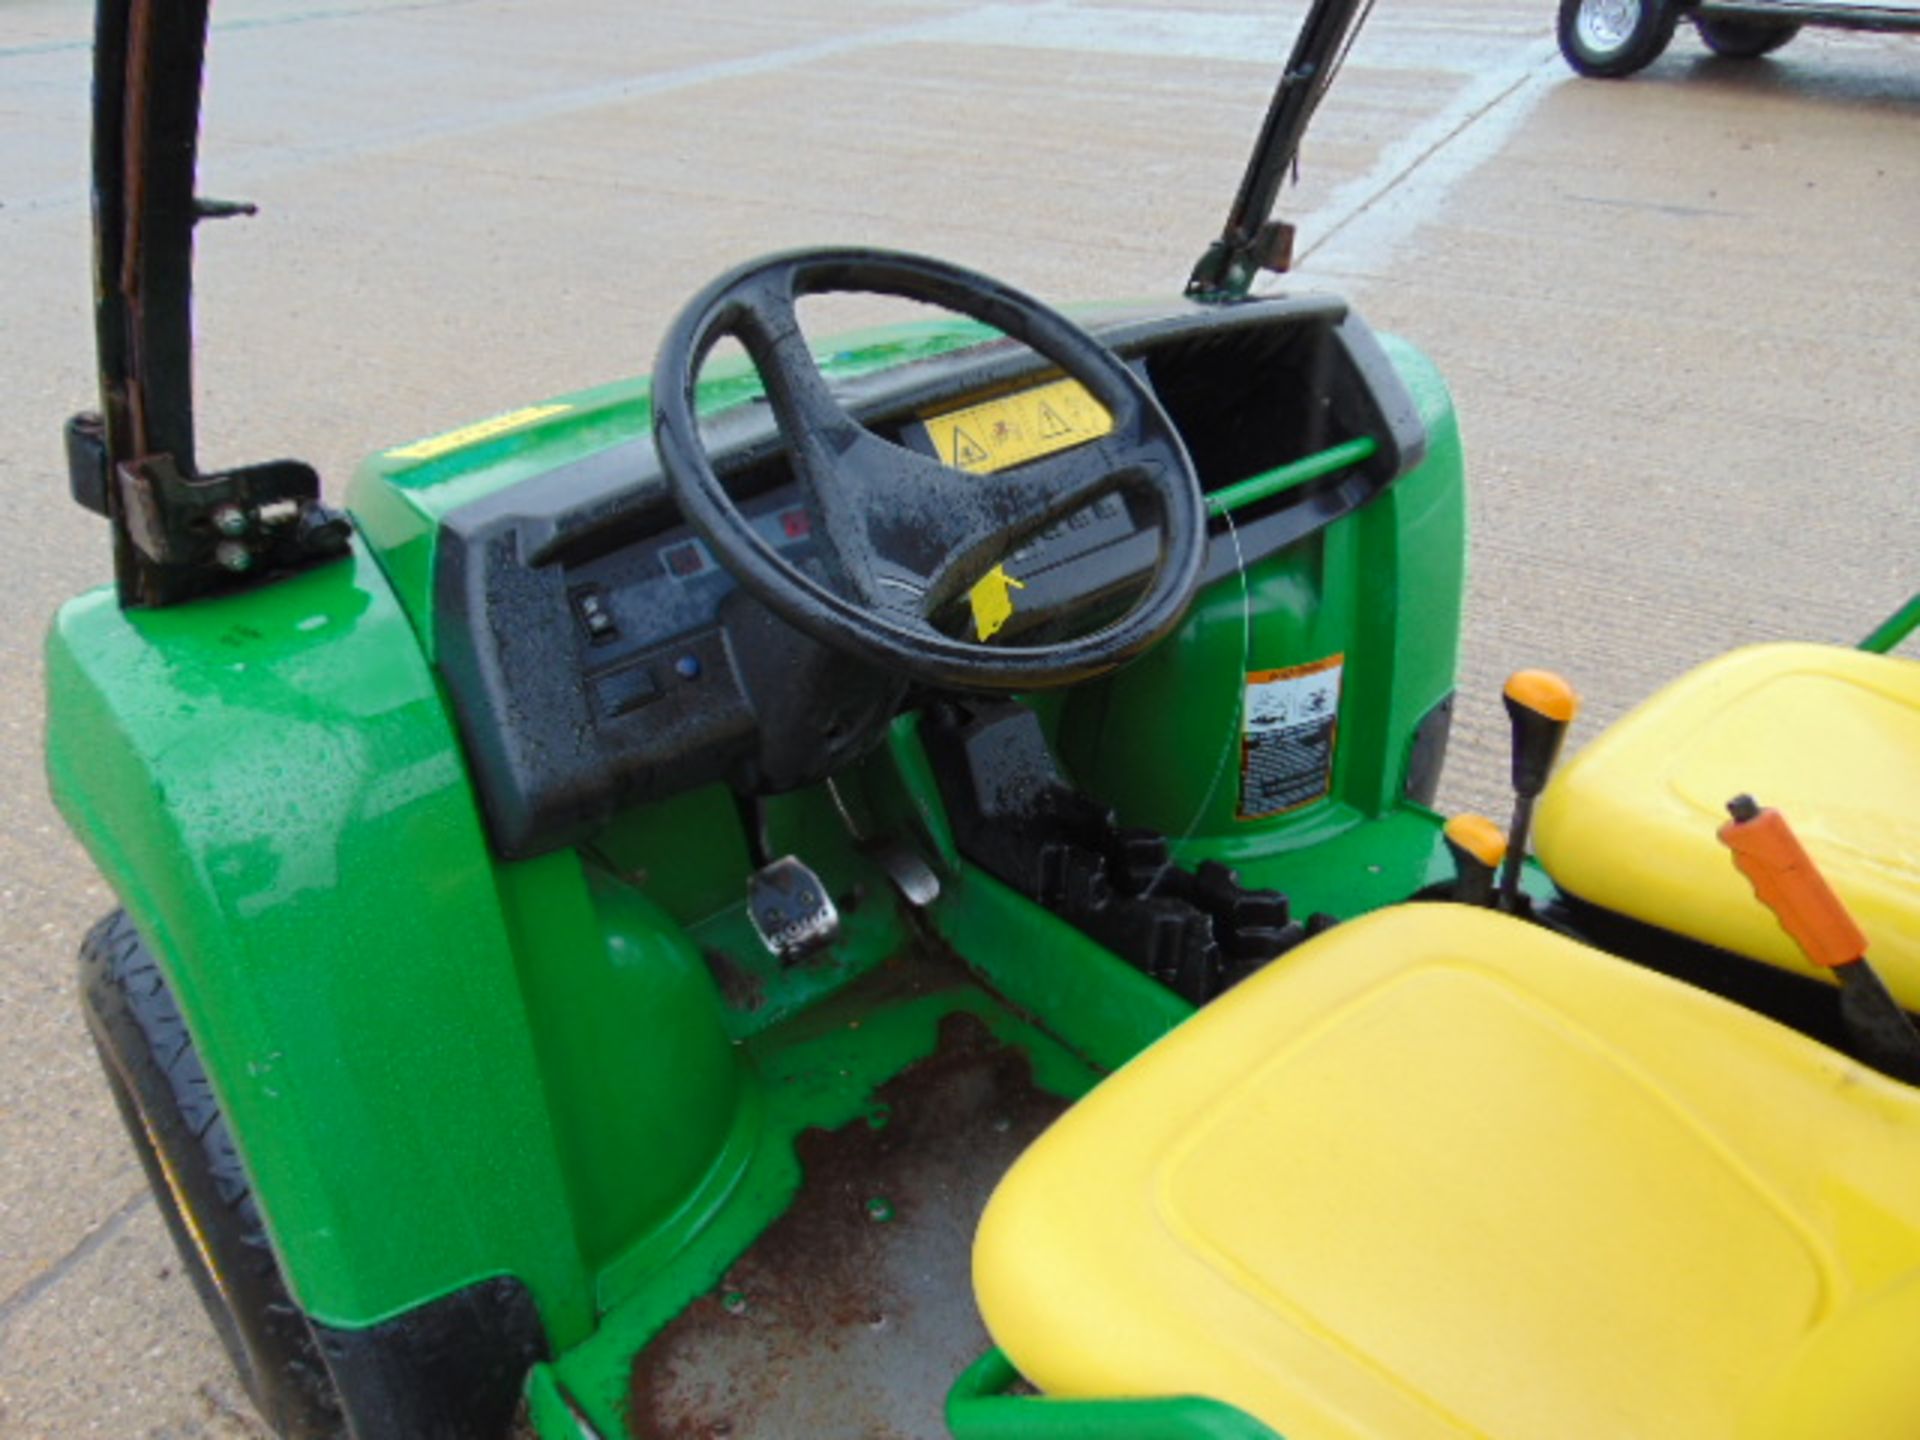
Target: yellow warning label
{"x": 992, "y": 601}
{"x": 968, "y": 453}
{"x": 1009, "y": 431}
{"x": 438, "y": 445}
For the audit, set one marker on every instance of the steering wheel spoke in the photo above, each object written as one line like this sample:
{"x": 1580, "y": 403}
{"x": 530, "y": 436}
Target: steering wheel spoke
{"x": 1050, "y": 489}
{"x": 905, "y": 535}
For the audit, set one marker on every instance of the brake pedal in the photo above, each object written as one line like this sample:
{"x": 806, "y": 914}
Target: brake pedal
{"x": 911, "y": 875}
{"x": 790, "y": 909}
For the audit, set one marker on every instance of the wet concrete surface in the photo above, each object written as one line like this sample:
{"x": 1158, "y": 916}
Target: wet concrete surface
{"x": 1677, "y": 312}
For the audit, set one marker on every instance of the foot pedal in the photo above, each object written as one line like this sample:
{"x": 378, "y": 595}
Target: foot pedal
{"x": 790, "y": 909}
{"x": 911, "y": 875}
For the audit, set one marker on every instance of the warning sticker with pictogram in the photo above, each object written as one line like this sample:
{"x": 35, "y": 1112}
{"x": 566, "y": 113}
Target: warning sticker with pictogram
{"x": 1013, "y": 429}
{"x": 968, "y": 453}
{"x": 1287, "y": 735}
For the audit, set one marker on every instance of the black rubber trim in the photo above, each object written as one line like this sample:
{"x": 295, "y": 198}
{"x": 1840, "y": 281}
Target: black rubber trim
{"x": 452, "y": 1369}
{"x": 1428, "y": 756}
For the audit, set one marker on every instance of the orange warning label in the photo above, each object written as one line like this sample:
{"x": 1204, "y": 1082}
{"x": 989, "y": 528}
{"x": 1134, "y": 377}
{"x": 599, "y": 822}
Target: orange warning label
{"x": 1288, "y": 728}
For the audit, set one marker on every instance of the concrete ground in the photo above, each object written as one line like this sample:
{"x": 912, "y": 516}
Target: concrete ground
{"x": 1678, "y": 313}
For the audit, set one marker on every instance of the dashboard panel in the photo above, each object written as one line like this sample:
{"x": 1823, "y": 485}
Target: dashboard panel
{"x": 598, "y": 656}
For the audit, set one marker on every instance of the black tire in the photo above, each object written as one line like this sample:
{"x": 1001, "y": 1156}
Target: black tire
{"x": 1744, "y": 39}
{"x": 199, "y": 1184}
{"x": 1606, "y": 39}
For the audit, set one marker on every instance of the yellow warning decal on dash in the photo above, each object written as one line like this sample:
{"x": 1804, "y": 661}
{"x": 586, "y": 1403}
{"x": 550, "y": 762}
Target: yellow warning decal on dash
{"x": 438, "y": 445}
{"x": 992, "y": 601}
{"x": 1009, "y": 431}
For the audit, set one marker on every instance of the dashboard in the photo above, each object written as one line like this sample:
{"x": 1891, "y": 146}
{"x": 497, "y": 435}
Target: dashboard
{"x": 598, "y": 655}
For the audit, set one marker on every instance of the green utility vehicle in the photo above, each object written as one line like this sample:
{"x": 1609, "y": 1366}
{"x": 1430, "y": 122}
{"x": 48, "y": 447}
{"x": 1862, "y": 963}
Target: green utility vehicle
{"x": 604, "y": 912}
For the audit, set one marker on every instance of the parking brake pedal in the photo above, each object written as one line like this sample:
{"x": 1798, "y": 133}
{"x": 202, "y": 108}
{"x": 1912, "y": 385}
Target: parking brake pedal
{"x": 790, "y": 909}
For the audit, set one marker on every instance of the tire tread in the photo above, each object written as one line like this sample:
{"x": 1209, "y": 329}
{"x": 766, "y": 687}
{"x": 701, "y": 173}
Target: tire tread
{"x": 167, "y": 1100}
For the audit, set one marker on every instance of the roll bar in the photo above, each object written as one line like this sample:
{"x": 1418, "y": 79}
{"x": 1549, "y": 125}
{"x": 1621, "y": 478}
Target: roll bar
{"x": 177, "y": 533}
{"x": 1252, "y": 240}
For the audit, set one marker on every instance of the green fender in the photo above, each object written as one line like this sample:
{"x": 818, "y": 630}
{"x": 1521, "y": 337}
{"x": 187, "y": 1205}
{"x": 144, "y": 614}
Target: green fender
{"x": 271, "y": 784}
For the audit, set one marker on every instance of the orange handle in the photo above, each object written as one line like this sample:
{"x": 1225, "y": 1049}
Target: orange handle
{"x": 1478, "y": 837}
{"x": 1544, "y": 693}
{"x": 1785, "y": 878}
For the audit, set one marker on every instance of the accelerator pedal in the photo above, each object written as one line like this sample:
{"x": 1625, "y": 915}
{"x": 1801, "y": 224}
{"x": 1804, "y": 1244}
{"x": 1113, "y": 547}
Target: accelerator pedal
{"x": 790, "y": 909}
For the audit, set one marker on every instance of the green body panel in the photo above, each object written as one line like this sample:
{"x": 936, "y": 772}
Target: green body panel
{"x": 271, "y": 785}
{"x": 1096, "y": 1003}
{"x": 1381, "y": 588}
{"x": 584, "y": 1071}
{"x": 428, "y": 1057}
{"x": 819, "y": 1069}
{"x": 599, "y": 965}
{"x": 980, "y": 1409}
{"x": 549, "y": 1408}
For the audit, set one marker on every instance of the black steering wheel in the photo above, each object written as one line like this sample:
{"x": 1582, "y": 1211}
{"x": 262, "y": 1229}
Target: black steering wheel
{"x": 903, "y": 535}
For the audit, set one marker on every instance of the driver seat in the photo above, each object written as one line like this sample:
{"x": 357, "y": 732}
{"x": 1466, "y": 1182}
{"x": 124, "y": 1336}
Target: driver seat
{"x": 1440, "y": 1173}
{"x": 1829, "y": 736}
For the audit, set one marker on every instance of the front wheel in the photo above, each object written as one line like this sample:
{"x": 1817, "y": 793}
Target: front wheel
{"x": 199, "y": 1185}
{"x": 1610, "y": 38}
{"x": 1744, "y": 39}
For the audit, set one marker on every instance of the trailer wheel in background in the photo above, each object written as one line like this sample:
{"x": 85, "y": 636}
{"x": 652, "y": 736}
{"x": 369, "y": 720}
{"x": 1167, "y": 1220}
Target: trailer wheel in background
{"x": 1610, "y": 38}
{"x": 1744, "y": 39}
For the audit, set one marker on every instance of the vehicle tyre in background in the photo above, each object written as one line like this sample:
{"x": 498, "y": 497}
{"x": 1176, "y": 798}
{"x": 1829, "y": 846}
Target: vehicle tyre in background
{"x": 1610, "y": 38}
{"x": 199, "y": 1184}
{"x": 1744, "y": 39}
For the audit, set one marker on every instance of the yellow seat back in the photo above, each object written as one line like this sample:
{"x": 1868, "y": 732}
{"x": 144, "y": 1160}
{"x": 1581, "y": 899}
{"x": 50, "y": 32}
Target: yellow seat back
{"x": 1831, "y": 737}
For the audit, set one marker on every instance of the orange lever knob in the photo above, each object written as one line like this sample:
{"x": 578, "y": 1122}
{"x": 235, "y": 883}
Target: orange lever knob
{"x": 1788, "y": 883}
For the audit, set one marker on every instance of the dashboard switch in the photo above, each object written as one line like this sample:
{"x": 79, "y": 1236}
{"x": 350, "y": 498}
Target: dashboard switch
{"x": 590, "y": 604}
{"x": 620, "y": 691}
{"x": 687, "y": 560}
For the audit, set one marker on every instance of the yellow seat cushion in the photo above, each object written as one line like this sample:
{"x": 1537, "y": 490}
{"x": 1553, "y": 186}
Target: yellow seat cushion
{"x": 1441, "y": 1173}
{"x": 1830, "y": 737}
